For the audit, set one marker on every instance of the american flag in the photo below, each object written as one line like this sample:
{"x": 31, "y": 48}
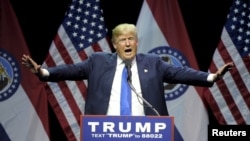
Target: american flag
{"x": 229, "y": 98}
{"x": 81, "y": 33}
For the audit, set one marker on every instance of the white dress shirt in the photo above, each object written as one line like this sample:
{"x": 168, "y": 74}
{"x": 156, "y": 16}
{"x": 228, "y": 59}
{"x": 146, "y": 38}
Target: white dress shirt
{"x": 114, "y": 103}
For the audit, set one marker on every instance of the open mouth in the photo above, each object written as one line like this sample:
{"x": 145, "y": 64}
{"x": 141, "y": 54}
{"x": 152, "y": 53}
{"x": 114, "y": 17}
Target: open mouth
{"x": 128, "y": 50}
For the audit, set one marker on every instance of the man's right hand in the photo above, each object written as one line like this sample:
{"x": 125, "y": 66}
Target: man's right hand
{"x": 31, "y": 64}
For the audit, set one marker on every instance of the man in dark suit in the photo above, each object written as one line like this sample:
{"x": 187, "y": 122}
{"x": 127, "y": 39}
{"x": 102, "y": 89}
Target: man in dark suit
{"x": 103, "y": 72}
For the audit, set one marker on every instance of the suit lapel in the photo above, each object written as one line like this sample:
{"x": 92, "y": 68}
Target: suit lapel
{"x": 143, "y": 70}
{"x": 110, "y": 68}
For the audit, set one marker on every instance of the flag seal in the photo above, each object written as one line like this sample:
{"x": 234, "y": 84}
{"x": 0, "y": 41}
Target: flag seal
{"x": 174, "y": 57}
{"x": 9, "y": 75}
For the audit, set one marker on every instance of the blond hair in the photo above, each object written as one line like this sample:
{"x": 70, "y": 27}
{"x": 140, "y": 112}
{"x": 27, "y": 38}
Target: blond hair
{"x": 122, "y": 29}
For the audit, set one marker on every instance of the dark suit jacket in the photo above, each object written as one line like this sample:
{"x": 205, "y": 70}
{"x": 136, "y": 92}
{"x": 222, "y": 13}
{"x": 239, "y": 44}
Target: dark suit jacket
{"x": 99, "y": 70}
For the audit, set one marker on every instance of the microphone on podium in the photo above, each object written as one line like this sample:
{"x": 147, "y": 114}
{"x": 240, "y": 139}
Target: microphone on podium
{"x": 128, "y": 66}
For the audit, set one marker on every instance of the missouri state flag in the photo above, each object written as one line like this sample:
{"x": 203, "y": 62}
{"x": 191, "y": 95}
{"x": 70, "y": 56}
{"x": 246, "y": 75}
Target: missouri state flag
{"x": 161, "y": 31}
{"x": 23, "y": 101}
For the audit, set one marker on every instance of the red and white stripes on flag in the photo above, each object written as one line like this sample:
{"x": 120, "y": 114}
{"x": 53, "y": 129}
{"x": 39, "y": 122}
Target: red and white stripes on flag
{"x": 23, "y": 101}
{"x": 82, "y": 32}
{"x": 229, "y": 98}
{"x": 161, "y": 30}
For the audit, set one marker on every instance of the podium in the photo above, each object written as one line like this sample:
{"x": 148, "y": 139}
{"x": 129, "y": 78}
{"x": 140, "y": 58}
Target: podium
{"x": 127, "y": 128}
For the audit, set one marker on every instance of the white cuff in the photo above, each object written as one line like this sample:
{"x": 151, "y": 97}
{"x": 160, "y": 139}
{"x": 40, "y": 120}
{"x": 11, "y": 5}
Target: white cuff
{"x": 45, "y": 72}
{"x": 210, "y": 77}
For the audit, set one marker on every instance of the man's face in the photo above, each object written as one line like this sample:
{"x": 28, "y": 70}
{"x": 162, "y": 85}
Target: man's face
{"x": 126, "y": 45}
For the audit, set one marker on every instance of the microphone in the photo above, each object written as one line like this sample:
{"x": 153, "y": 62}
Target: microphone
{"x": 128, "y": 65}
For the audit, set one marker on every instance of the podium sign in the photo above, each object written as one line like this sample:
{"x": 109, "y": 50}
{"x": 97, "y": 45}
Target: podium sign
{"x": 124, "y": 128}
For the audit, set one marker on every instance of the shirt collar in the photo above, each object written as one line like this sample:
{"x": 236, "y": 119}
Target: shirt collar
{"x": 120, "y": 61}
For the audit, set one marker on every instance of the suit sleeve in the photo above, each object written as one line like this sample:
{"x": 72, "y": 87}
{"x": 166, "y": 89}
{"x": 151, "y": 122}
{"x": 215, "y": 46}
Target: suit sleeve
{"x": 184, "y": 75}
